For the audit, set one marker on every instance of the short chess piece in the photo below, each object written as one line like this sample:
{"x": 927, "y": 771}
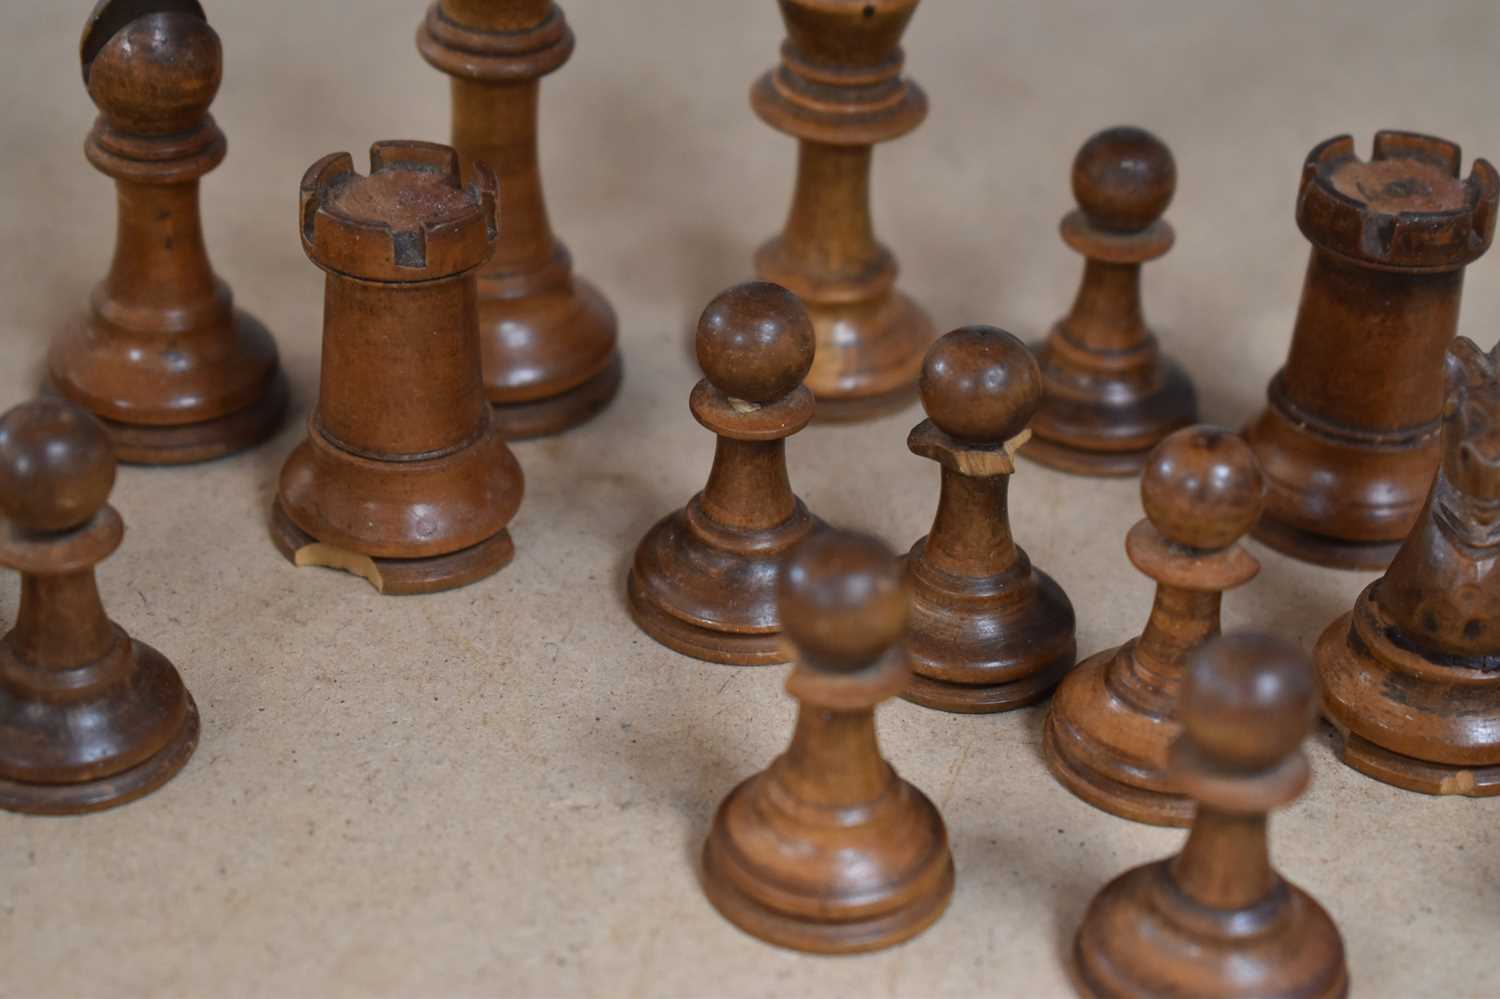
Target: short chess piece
{"x": 548, "y": 337}
{"x": 173, "y": 371}
{"x": 838, "y": 91}
{"x": 1112, "y": 393}
{"x": 404, "y": 478}
{"x": 1217, "y": 920}
{"x": 989, "y": 631}
{"x": 828, "y": 850}
{"x": 1113, "y": 720}
{"x": 704, "y": 578}
{"x": 90, "y": 718}
{"x": 1349, "y": 440}
{"x": 1411, "y": 677}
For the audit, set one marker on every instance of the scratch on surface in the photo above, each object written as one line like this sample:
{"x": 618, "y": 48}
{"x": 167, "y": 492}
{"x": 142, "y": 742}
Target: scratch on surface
{"x": 963, "y": 757}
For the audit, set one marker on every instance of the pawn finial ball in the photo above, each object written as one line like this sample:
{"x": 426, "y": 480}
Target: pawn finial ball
{"x": 1202, "y": 487}
{"x": 980, "y": 384}
{"x": 158, "y": 74}
{"x": 56, "y": 465}
{"x": 1124, "y": 178}
{"x": 842, "y": 600}
{"x": 755, "y": 342}
{"x": 1248, "y": 701}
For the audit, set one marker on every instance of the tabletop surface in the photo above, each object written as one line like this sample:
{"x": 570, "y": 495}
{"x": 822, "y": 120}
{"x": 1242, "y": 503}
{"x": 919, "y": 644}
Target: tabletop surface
{"x": 504, "y": 789}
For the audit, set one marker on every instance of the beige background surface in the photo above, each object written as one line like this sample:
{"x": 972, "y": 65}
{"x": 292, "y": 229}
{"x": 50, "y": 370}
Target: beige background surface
{"x": 502, "y": 790}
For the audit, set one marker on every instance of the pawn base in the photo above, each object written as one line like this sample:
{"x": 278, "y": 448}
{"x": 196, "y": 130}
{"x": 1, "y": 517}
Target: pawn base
{"x": 727, "y": 648}
{"x": 519, "y": 421}
{"x": 1318, "y": 549}
{"x": 188, "y": 443}
{"x": 1412, "y": 774}
{"x": 1106, "y": 793}
{"x": 973, "y": 699}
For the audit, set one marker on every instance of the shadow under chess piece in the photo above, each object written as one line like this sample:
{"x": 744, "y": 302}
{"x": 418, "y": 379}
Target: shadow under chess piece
{"x": 828, "y": 850}
{"x": 173, "y": 371}
{"x": 1411, "y": 677}
{"x": 89, "y": 717}
{"x": 988, "y": 631}
{"x": 703, "y": 581}
{"x": 1217, "y": 920}
{"x": 1112, "y": 721}
{"x": 1111, "y": 392}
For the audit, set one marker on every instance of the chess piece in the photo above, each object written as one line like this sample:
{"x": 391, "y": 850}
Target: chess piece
{"x": 704, "y": 578}
{"x": 838, "y": 91}
{"x": 89, "y": 717}
{"x": 403, "y": 478}
{"x": 174, "y": 372}
{"x": 1349, "y": 440}
{"x": 828, "y": 850}
{"x": 1112, "y": 721}
{"x": 1217, "y": 919}
{"x": 548, "y": 336}
{"x": 1111, "y": 392}
{"x": 1411, "y": 678}
{"x": 988, "y": 631}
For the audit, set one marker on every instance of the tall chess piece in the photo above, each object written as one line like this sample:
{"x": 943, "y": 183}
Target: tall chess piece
{"x": 1349, "y": 440}
{"x": 1411, "y": 678}
{"x": 1113, "y": 720}
{"x": 548, "y": 337}
{"x": 703, "y": 581}
{"x": 1111, "y": 392}
{"x": 989, "y": 631}
{"x": 90, "y": 718}
{"x": 839, "y": 90}
{"x": 173, "y": 371}
{"x": 828, "y": 850}
{"x": 1217, "y": 920}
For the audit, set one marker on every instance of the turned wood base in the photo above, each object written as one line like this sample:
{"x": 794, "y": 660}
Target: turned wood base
{"x": 1333, "y": 553}
{"x": 708, "y": 644}
{"x": 973, "y": 699}
{"x": 524, "y": 420}
{"x": 1415, "y": 775}
{"x": 869, "y": 356}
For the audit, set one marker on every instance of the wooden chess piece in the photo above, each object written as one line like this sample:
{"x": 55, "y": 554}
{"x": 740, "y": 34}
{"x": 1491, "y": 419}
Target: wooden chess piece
{"x": 989, "y": 632}
{"x": 828, "y": 850}
{"x": 404, "y": 478}
{"x": 1349, "y": 440}
{"x": 174, "y": 372}
{"x": 1111, "y": 392}
{"x": 704, "y": 578}
{"x": 838, "y": 91}
{"x": 548, "y": 337}
{"x": 1411, "y": 677}
{"x": 89, "y": 717}
{"x": 1217, "y": 920}
{"x": 1113, "y": 720}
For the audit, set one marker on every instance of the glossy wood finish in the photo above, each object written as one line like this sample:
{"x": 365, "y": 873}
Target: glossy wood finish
{"x": 174, "y": 372}
{"x": 1111, "y": 392}
{"x": 1113, "y": 720}
{"x": 89, "y": 717}
{"x": 989, "y": 632}
{"x": 547, "y": 336}
{"x": 404, "y": 477}
{"x": 828, "y": 850}
{"x": 1349, "y": 442}
{"x": 703, "y": 581}
{"x": 1411, "y": 677}
{"x": 839, "y": 90}
{"x": 1217, "y": 920}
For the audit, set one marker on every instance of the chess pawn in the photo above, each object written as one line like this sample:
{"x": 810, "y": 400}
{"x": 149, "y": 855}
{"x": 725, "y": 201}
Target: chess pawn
{"x": 548, "y": 337}
{"x": 403, "y": 478}
{"x": 828, "y": 850}
{"x": 89, "y": 717}
{"x": 1411, "y": 678}
{"x": 1217, "y": 920}
{"x": 704, "y": 578}
{"x": 173, "y": 371}
{"x": 1349, "y": 440}
{"x": 1111, "y": 392}
{"x": 989, "y": 632}
{"x": 1114, "y": 718}
{"x": 838, "y": 91}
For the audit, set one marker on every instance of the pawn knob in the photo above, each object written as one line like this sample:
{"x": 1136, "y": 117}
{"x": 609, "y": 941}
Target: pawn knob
{"x": 980, "y": 384}
{"x": 157, "y": 75}
{"x": 755, "y": 342}
{"x": 1248, "y": 700}
{"x": 1124, "y": 178}
{"x": 841, "y": 599}
{"x": 56, "y": 465}
{"x": 1202, "y": 487}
